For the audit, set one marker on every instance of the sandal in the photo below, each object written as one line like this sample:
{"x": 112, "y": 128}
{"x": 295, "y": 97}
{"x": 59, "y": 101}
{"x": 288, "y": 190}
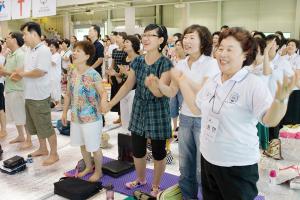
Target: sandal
{"x": 134, "y": 184}
{"x": 155, "y": 190}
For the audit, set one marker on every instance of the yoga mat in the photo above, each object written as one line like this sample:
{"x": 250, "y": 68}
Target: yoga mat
{"x": 167, "y": 181}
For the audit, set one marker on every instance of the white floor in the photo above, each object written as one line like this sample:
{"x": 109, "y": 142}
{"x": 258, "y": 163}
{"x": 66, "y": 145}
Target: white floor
{"x": 36, "y": 182}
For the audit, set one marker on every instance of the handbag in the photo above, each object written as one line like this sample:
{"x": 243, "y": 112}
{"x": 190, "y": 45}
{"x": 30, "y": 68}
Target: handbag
{"x": 76, "y": 189}
{"x": 274, "y": 149}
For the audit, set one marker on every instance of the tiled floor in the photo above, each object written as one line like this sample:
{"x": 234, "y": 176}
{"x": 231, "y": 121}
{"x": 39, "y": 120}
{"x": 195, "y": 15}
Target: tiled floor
{"x": 36, "y": 182}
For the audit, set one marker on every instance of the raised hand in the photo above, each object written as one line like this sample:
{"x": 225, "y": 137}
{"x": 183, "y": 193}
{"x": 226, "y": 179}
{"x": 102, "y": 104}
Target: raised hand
{"x": 285, "y": 88}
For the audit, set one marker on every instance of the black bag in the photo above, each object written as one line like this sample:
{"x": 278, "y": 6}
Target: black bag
{"x": 64, "y": 130}
{"x": 14, "y": 162}
{"x": 13, "y": 171}
{"x": 75, "y": 188}
{"x": 13, "y": 165}
{"x": 117, "y": 168}
{"x": 125, "y": 148}
{"x": 124, "y": 164}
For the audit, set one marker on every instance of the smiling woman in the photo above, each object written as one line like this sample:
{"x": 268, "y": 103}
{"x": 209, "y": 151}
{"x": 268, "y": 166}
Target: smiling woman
{"x": 231, "y": 104}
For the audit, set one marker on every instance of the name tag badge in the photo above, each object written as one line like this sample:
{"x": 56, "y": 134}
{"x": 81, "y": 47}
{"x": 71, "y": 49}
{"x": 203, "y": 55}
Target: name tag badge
{"x": 211, "y": 128}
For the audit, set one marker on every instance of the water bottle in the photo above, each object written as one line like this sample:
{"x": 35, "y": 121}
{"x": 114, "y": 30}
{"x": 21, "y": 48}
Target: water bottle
{"x": 110, "y": 192}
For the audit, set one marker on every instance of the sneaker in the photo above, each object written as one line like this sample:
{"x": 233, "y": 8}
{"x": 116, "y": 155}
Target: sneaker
{"x": 134, "y": 184}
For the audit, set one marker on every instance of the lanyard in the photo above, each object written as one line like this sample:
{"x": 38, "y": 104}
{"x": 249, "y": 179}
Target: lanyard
{"x": 213, "y": 98}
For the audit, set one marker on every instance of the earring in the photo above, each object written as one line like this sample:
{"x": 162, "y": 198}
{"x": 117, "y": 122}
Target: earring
{"x": 159, "y": 48}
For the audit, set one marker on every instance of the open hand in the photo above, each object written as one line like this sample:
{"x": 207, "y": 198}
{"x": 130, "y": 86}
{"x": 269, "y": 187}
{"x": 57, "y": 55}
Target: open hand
{"x": 285, "y": 88}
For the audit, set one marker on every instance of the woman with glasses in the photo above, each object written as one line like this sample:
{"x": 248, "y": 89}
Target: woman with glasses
{"x": 231, "y": 104}
{"x": 150, "y": 116}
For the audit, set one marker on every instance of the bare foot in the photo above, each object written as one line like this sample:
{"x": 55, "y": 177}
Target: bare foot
{"x": 84, "y": 172}
{"x": 3, "y": 134}
{"x": 39, "y": 153}
{"x": 51, "y": 160}
{"x": 95, "y": 177}
{"x": 26, "y": 145}
{"x": 17, "y": 140}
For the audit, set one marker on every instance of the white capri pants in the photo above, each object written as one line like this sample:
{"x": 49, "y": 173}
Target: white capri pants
{"x": 88, "y": 134}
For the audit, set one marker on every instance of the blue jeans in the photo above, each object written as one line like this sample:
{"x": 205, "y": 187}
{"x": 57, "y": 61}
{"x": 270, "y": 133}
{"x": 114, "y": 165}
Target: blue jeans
{"x": 189, "y": 156}
{"x": 175, "y": 104}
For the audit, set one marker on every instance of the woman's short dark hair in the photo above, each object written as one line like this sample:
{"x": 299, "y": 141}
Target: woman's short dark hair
{"x": 55, "y": 43}
{"x": 88, "y": 48}
{"x": 135, "y": 43}
{"x": 18, "y": 36}
{"x": 74, "y": 37}
{"x": 216, "y": 33}
{"x": 180, "y": 40}
{"x": 138, "y": 36}
{"x": 178, "y": 35}
{"x": 122, "y": 34}
{"x": 161, "y": 32}
{"x": 246, "y": 41}
{"x": 261, "y": 43}
{"x": 32, "y": 26}
{"x": 261, "y": 34}
{"x": 66, "y": 41}
{"x": 272, "y": 37}
{"x": 295, "y": 41}
{"x": 204, "y": 36}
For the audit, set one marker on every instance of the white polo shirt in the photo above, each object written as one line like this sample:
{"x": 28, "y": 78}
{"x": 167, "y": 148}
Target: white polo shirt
{"x": 258, "y": 71}
{"x": 37, "y": 58}
{"x": 294, "y": 60}
{"x": 55, "y": 70}
{"x": 281, "y": 67}
{"x": 237, "y": 104}
{"x": 204, "y": 67}
{"x": 67, "y": 54}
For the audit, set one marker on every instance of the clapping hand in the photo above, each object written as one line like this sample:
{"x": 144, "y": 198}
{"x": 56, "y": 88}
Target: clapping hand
{"x": 151, "y": 81}
{"x": 17, "y": 75}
